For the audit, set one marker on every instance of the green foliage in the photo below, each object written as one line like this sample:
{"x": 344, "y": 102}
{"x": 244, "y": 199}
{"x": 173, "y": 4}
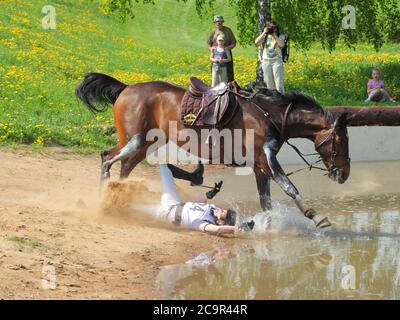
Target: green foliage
{"x": 40, "y": 69}
{"x": 25, "y": 242}
{"x": 125, "y": 7}
{"x": 309, "y": 21}
{"x": 247, "y": 15}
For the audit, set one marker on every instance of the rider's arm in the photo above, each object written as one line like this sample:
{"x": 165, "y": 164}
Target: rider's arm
{"x": 212, "y": 228}
{"x": 244, "y": 227}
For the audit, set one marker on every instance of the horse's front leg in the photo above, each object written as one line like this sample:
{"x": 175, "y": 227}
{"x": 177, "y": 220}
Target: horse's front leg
{"x": 264, "y": 190}
{"x": 271, "y": 148}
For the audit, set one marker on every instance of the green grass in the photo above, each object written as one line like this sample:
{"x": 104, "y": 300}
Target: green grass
{"x": 41, "y": 68}
{"x": 26, "y": 242}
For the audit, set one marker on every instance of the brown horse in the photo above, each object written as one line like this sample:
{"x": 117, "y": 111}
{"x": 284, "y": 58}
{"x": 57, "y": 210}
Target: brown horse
{"x": 275, "y": 118}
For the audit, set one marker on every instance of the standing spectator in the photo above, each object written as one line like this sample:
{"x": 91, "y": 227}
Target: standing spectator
{"x": 220, "y": 57}
{"x": 376, "y": 89}
{"x": 272, "y": 63}
{"x": 230, "y": 42}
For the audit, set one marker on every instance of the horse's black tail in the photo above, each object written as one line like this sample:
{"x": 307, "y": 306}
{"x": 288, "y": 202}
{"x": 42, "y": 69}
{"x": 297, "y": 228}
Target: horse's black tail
{"x": 98, "y": 90}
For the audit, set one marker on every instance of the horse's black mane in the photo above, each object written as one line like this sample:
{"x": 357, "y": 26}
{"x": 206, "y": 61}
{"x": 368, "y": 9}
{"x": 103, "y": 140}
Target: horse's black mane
{"x": 297, "y": 98}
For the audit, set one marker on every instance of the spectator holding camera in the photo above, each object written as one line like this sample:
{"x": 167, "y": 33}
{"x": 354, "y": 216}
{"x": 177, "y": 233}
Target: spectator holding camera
{"x": 272, "y": 62}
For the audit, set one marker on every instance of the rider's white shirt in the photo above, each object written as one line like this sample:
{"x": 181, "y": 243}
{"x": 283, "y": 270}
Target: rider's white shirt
{"x": 197, "y": 215}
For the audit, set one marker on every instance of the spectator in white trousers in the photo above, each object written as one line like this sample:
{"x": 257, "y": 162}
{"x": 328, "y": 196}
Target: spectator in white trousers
{"x": 272, "y": 63}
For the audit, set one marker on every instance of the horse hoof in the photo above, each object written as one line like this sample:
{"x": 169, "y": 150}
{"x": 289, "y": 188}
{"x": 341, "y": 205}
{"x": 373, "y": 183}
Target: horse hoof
{"x": 104, "y": 176}
{"x": 321, "y": 222}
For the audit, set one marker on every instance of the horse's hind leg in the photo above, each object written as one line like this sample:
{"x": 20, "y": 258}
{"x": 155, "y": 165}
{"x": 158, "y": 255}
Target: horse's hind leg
{"x": 107, "y": 155}
{"x": 129, "y": 150}
{"x": 128, "y": 164}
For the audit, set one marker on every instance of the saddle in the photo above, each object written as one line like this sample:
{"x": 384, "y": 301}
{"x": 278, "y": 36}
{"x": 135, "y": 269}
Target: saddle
{"x": 208, "y": 106}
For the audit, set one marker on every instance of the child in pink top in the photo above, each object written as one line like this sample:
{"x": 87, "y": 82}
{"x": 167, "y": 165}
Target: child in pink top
{"x": 376, "y": 89}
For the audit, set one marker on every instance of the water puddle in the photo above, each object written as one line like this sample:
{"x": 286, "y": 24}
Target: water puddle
{"x": 308, "y": 265}
{"x": 287, "y": 258}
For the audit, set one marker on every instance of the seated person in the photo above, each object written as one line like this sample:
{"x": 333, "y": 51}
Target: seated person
{"x": 376, "y": 89}
{"x": 195, "y": 215}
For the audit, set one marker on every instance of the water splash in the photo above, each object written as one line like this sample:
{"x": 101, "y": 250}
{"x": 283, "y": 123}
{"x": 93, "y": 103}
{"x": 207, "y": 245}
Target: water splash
{"x": 281, "y": 219}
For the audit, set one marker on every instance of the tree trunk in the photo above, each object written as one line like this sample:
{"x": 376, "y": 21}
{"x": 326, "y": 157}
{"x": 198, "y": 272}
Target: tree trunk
{"x": 369, "y": 116}
{"x": 264, "y": 15}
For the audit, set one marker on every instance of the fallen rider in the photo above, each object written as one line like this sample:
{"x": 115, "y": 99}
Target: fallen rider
{"x": 196, "y": 215}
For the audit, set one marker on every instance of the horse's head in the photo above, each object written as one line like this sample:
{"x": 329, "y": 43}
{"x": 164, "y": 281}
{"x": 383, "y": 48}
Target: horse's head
{"x": 333, "y": 146}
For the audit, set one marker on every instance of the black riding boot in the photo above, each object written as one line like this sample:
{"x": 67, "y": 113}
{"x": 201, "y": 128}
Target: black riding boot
{"x": 196, "y": 177}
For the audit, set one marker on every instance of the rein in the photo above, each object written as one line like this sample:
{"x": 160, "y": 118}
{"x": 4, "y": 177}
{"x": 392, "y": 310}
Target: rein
{"x": 310, "y": 166}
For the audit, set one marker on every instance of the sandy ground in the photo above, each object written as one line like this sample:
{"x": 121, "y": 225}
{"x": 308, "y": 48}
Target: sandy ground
{"x": 51, "y": 216}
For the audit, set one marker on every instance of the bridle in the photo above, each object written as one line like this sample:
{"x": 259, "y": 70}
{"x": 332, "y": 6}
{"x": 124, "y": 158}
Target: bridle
{"x": 331, "y": 137}
{"x": 334, "y": 154}
{"x": 281, "y": 131}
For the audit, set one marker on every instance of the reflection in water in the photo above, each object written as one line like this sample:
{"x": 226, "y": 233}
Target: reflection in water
{"x": 288, "y": 258}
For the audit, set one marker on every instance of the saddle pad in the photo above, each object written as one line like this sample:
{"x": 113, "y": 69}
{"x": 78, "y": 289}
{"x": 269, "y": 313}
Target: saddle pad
{"x": 190, "y": 107}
